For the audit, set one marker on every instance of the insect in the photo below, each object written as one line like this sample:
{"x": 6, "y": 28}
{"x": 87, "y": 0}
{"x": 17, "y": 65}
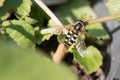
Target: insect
{"x": 72, "y": 36}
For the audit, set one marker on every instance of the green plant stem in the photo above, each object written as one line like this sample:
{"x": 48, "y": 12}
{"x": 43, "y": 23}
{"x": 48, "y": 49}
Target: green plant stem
{"x": 102, "y": 19}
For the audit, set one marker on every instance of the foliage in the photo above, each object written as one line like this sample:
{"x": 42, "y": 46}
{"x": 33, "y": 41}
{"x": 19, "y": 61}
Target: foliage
{"x": 20, "y": 31}
{"x": 92, "y": 58}
{"x": 25, "y": 64}
{"x": 21, "y": 7}
{"x": 113, "y": 6}
{"x": 21, "y": 22}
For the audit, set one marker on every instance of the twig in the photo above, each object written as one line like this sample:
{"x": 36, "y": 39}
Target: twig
{"x": 48, "y": 12}
{"x": 102, "y": 19}
{"x": 60, "y": 52}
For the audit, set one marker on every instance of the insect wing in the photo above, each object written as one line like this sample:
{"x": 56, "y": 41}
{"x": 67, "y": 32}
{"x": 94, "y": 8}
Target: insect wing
{"x": 56, "y": 30}
{"x": 81, "y": 47}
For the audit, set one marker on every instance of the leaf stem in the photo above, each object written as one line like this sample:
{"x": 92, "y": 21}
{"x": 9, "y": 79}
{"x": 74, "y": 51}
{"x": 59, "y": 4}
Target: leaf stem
{"x": 60, "y": 53}
{"x": 102, "y": 19}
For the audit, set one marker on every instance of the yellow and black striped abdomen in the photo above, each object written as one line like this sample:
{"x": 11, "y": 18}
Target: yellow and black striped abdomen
{"x": 70, "y": 38}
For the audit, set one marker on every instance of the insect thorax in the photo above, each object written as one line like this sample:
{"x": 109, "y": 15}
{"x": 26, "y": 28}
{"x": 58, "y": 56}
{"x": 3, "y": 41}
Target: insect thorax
{"x": 78, "y": 26}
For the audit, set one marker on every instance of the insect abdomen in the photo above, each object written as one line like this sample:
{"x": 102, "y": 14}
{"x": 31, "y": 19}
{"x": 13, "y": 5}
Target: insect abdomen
{"x": 70, "y": 38}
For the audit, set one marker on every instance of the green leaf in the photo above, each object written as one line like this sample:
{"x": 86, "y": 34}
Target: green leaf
{"x": 21, "y": 7}
{"x": 22, "y": 64}
{"x": 92, "y": 60}
{"x": 73, "y": 10}
{"x": 42, "y": 37}
{"x": 20, "y": 31}
{"x": 30, "y": 20}
{"x": 113, "y": 6}
{"x": 24, "y": 7}
{"x": 38, "y": 14}
{"x": 97, "y": 31}
{"x": 78, "y": 9}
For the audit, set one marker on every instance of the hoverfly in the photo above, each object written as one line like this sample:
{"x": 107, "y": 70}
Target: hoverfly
{"x": 72, "y": 36}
